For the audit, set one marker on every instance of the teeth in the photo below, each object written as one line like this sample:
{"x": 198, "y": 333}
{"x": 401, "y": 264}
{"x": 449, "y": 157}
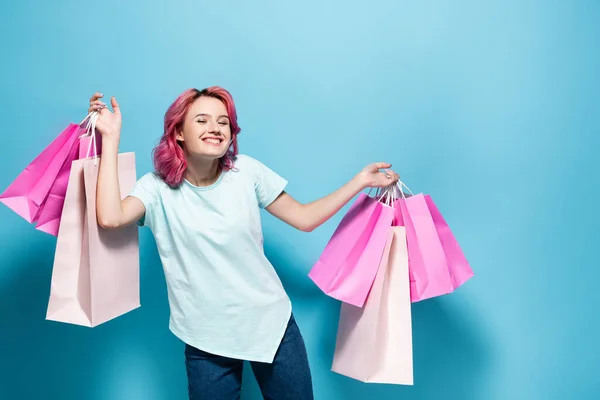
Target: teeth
{"x": 213, "y": 141}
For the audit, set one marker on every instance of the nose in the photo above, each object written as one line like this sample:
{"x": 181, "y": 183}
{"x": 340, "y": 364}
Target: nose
{"x": 213, "y": 127}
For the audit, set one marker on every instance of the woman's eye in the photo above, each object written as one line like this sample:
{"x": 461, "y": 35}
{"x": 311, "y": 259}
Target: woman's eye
{"x": 202, "y": 121}
{"x": 222, "y": 123}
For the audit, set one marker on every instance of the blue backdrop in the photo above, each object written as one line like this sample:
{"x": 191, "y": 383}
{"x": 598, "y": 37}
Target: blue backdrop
{"x": 491, "y": 107}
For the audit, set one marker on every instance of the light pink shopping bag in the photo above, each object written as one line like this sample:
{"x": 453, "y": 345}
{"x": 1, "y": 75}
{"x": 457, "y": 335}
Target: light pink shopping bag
{"x": 49, "y": 214}
{"x": 460, "y": 270}
{"x": 95, "y": 277}
{"x": 28, "y": 191}
{"x": 374, "y": 343}
{"x": 348, "y": 265}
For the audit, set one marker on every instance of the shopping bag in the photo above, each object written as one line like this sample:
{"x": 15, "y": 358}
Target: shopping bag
{"x": 429, "y": 268}
{"x": 28, "y": 191}
{"x": 48, "y": 218}
{"x": 95, "y": 277}
{"x": 348, "y": 265}
{"x": 374, "y": 343}
{"x": 460, "y": 270}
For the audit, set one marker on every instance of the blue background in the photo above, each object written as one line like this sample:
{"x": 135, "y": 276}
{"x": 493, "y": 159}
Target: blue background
{"x": 491, "y": 107}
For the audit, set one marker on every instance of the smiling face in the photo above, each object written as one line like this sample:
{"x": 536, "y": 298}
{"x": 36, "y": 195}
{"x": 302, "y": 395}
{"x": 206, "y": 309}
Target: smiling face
{"x": 206, "y": 131}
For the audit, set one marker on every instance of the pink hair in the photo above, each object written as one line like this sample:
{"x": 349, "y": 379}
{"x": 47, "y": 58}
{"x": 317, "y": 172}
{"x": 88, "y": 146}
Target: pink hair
{"x": 169, "y": 159}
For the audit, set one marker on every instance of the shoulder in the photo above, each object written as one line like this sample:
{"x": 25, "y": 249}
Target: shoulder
{"x": 151, "y": 182}
{"x": 251, "y": 167}
{"x": 244, "y": 161}
{"x": 150, "y": 178}
{"x": 246, "y": 165}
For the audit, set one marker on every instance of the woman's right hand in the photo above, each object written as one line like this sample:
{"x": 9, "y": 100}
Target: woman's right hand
{"x": 108, "y": 123}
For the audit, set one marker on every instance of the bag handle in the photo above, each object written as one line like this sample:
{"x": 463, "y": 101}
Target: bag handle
{"x": 388, "y": 194}
{"x": 90, "y": 131}
{"x": 401, "y": 184}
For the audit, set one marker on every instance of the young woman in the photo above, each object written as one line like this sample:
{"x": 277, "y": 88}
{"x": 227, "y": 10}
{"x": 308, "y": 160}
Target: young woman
{"x": 202, "y": 204}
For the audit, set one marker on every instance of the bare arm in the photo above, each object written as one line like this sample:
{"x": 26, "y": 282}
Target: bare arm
{"x": 307, "y": 217}
{"x": 111, "y": 211}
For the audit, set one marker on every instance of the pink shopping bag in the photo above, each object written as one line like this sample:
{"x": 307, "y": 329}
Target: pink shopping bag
{"x": 48, "y": 218}
{"x": 348, "y": 265}
{"x": 429, "y": 267}
{"x": 95, "y": 277}
{"x": 460, "y": 270}
{"x": 27, "y": 192}
{"x": 374, "y": 343}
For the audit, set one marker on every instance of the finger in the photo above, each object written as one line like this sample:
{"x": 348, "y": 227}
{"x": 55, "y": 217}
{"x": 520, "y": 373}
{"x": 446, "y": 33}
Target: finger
{"x": 96, "y": 96}
{"x": 96, "y": 107}
{"x": 382, "y": 165}
{"x": 115, "y": 106}
{"x": 97, "y": 102}
{"x": 392, "y": 177}
{"x": 389, "y": 174}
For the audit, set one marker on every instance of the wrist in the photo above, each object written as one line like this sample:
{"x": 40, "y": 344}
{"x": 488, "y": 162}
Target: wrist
{"x": 110, "y": 141}
{"x": 361, "y": 181}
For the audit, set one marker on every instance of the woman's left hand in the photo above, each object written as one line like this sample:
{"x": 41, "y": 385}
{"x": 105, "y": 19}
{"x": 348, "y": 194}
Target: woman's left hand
{"x": 371, "y": 176}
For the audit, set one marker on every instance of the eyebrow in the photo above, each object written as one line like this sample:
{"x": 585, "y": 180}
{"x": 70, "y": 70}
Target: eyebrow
{"x": 208, "y": 115}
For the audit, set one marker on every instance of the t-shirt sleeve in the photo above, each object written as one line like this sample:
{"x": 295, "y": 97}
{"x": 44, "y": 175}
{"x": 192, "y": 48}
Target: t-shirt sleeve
{"x": 267, "y": 185}
{"x": 146, "y": 190}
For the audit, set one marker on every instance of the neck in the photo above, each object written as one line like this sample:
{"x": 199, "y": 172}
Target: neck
{"x": 202, "y": 172}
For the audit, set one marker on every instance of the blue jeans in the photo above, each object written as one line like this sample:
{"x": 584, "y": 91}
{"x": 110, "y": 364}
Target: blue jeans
{"x": 220, "y": 378}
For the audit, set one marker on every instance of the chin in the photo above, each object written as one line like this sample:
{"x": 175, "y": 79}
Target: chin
{"x": 209, "y": 155}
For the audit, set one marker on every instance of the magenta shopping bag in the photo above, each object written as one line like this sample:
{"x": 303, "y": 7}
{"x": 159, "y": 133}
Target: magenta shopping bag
{"x": 429, "y": 267}
{"x": 48, "y": 219}
{"x": 348, "y": 265}
{"x": 26, "y": 194}
{"x": 460, "y": 270}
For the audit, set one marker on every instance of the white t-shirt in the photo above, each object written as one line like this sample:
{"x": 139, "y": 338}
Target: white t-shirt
{"x": 225, "y": 297}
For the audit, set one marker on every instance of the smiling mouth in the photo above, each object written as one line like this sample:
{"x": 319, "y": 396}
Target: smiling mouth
{"x": 213, "y": 141}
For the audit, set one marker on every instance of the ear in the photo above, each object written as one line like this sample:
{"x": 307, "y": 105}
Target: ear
{"x": 179, "y": 136}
